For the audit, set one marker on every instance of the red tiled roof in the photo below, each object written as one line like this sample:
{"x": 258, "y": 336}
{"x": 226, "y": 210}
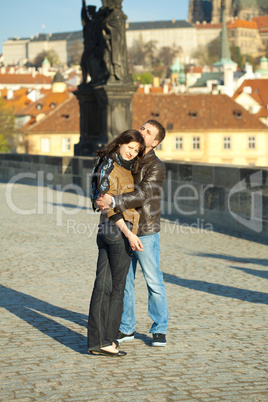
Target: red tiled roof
{"x": 24, "y": 79}
{"x": 44, "y": 104}
{"x": 262, "y": 22}
{"x": 208, "y": 26}
{"x": 263, "y": 112}
{"x": 196, "y": 70}
{"x": 65, "y": 118}
{"x": 185, "y": 112}
{"x": 152, "y": 90}
{"x": 242, "y": 24}
{"x": 193, "y": 112}
{"x": 199, "y": 69}
{"x": 259, "y": 90}
{"x": 19, "y": 99}
{"x": 230, "y": 24}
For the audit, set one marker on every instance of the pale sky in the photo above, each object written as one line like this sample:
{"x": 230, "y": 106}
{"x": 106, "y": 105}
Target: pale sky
{"x": 25, "y": 18}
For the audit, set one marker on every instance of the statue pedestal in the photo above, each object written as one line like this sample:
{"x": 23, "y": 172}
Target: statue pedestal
{"x": 105, "y": 112}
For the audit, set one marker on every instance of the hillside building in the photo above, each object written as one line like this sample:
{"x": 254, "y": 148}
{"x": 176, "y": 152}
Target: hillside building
{"x": 210, "y": 10}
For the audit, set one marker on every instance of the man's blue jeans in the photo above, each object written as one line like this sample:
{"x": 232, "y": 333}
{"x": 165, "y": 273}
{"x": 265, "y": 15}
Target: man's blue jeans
{"x": 149, "y": 260}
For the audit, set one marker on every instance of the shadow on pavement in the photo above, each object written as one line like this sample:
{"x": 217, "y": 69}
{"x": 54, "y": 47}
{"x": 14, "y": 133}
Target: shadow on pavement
{"x": 31, "y": 310}
{"x": 255, "y": 272}
{"x": 218, "y": 290}
{"x": 144, "y": 338}
{"x": 201, "y": 224}
{"x": 255, "y": 261}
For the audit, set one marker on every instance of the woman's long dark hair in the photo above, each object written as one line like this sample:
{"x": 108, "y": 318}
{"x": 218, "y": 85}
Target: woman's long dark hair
{"x": 124, "y": 138}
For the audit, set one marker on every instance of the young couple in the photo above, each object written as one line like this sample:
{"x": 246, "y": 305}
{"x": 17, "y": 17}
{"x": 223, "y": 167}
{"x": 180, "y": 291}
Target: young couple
{"x": 126, "y": 186}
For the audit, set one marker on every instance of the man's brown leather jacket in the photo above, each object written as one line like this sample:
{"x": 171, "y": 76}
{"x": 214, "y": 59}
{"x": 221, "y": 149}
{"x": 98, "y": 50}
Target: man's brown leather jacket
{"x": 147, "y": 194}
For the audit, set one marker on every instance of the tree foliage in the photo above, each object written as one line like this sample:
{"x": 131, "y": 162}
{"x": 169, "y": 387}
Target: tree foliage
{"x": 208, "y": 55}
{"x": 75, "y": 53}
{"x": 51, "y": 55}
{"x": 148, "y": 57}
{"x": 143, "y": 78}
{"x": 7, "y": 127}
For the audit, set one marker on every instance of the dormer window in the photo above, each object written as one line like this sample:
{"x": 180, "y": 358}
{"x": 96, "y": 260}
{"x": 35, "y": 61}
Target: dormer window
{"x": 193, "y": 114}
{"x": 38, "y": 106}
{"x": 65, "y": 116}
{"x": 52, "y": 105}
{"x": 237, "y": 114}
{"x": 155, "y": 114}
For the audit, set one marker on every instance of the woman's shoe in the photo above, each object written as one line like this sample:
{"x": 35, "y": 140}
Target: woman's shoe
{"x": 102, "y": 352}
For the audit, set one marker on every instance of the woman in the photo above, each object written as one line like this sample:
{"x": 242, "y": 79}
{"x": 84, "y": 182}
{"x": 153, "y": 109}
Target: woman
{"x": 116, "y": 240}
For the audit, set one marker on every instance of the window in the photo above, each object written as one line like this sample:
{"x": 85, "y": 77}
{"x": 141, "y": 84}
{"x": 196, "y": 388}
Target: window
{"x": 66, "y": 144}
{"x": 178, "y": 143}
{"x": 45, "y": 144}
{"x": 251, "y": 143}
{"x": 159, "y": 147}
{"x": 227, "y": 143}
{"x": 193, "y": 114}
{"x": 196, "y": 142}
{"x": 237, "y": 113}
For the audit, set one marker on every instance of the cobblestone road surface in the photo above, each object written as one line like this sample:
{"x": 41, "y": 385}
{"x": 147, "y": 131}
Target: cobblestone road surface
{"x": 217, "y": 296}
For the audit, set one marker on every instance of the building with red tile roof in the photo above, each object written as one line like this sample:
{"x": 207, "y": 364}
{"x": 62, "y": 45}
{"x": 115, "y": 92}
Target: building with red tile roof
{"x": 253, "y": 96}
{"x": 204, "y": 128}
{"x": 16, "y": 99}
{"x": 58, "y": 132}
{"x": 16, "y": 81}
{"x": 262, "y": 22}
{"x": 200, "y": 128}
{"x": 193, "y": 112}
{"x": 43, "y": 106}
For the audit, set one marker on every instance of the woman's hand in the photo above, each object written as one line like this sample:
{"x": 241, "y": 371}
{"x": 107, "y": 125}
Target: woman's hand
{"x": 134, "y": 242}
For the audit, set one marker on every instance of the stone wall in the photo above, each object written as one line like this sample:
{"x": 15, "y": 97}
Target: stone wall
{"x": 230, "y": 197}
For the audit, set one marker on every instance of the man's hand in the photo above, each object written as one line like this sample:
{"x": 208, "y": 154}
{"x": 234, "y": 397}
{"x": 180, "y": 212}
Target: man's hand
{"x": 104, "y": 201}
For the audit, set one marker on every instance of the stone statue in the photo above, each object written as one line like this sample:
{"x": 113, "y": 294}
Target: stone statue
{"x": 106, "y": 101}
{"x": 114, "y": 20}
{"x": 92, "y": 62}
{"x": 105, "y": 50}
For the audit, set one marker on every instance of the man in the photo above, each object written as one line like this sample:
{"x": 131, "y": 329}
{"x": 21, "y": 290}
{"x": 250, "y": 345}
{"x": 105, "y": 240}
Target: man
{"x": 146, "y": 200}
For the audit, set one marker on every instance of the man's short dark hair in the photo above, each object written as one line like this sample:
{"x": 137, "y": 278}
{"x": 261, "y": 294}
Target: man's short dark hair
{"x": 161, "y": 131}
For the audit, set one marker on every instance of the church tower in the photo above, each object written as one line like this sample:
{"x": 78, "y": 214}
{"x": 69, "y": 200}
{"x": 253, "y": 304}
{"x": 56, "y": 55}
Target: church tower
{"x": 210, "y": 10}
{"x": 216, "y": 16}
{"x": 225, "y": 55}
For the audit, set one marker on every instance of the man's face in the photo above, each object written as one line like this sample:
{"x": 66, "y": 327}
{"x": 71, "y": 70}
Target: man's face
{"x": 149, "y": 133}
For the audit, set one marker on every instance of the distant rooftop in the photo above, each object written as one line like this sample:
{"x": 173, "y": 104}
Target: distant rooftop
{"x": 41, "y": 37}
{"x": 135, "y": 26}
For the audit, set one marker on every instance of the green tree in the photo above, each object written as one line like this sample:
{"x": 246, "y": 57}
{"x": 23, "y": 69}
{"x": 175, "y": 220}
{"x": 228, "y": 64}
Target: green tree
{"x": 51, "y": 55}
{"x": 142, "y": 54}
{"x": 143, "y": 78}
{"x": 236, "y": 56}
{"x": 208, "y": 55}
{"x": 75, "y": 53}
{"x": 7, "y": 127}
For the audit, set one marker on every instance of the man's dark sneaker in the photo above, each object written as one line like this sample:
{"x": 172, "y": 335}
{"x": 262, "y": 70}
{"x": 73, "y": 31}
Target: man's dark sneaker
{"x": 159, "y": 340}
{"x": 123, "y": 337}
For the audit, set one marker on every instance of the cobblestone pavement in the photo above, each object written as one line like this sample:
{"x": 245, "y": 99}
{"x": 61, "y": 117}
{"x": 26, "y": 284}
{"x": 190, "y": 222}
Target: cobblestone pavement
{"x": 217, "y": 295}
